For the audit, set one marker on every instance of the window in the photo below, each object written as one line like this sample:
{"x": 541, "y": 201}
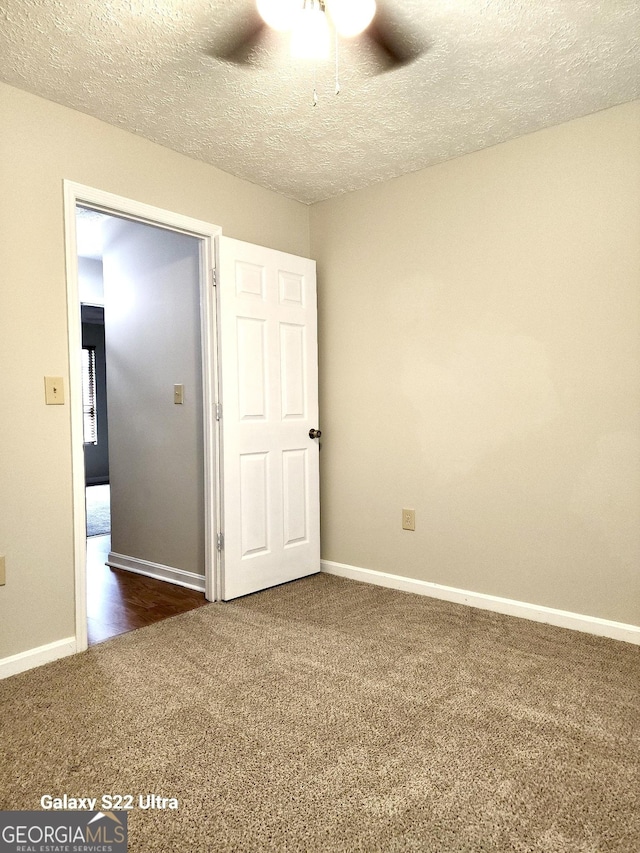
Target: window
{"x": 89, "y": 395}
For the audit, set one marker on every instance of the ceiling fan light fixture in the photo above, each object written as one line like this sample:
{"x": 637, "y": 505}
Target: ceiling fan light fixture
{"x": 311, "y": 37}
{"x": 278, "y": 14}
{"x": 351, "y": 17}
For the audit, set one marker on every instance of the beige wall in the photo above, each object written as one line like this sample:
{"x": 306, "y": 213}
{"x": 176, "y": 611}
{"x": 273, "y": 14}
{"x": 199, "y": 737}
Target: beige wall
{"x": 479, "y": 362}
{"x": 479, "y": 357}
{"x": 40, "y": 144}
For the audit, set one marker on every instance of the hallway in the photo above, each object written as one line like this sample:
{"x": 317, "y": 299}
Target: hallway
{"x": 120, "y": 601}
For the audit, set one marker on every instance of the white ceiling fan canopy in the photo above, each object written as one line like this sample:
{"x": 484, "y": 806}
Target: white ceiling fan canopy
{"x": 350, "y": 17}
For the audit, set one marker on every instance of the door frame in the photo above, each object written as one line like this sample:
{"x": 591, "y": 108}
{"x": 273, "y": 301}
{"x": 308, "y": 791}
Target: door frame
{"x": 74, "y": 194}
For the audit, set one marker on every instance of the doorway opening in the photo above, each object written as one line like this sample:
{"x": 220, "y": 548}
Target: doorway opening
{"x": 142, "y": 385}
{"x": 132, "y": 276}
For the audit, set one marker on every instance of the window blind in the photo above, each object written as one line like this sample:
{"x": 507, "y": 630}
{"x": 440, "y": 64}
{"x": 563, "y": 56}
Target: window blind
{"x": 89, "y": 395}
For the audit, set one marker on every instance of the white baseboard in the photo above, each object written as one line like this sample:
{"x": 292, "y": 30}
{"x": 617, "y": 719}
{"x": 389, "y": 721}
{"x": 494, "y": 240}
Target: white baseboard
{"x": 507, "y": 606}
{"x": 36, "y": 657}
{"x": 180, "y": 577}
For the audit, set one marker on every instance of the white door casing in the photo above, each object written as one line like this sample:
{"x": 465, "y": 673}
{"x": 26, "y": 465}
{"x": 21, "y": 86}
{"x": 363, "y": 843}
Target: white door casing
{"x": 75, "y": 194}
{"x": 269, "y": 388}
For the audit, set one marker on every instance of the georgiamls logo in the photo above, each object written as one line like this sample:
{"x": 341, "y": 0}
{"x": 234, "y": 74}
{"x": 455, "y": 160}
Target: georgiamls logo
{"x": 64, "y": 831}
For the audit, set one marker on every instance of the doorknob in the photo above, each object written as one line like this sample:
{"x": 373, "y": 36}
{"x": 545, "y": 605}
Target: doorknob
{"x": 315, "y": 433}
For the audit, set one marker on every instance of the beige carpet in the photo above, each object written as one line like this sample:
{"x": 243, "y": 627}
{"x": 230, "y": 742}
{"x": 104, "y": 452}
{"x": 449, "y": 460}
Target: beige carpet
{"x": 327, "y": 715}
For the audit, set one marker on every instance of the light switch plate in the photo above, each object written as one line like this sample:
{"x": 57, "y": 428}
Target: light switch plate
{"x": 3, "y": 574}
{"x": 178, "y": 394}
{"x": 54, "y": 390}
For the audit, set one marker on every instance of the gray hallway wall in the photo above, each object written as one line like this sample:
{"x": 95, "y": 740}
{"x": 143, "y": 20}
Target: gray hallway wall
{"x": 152, "y": 324}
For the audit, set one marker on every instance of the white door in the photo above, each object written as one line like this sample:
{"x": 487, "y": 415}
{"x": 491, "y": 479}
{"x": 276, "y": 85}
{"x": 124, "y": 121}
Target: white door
{"x": 268, "y": 348}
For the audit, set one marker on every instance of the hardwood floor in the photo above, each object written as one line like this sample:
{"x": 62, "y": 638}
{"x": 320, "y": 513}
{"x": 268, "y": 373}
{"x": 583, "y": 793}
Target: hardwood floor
{"x": 119, "y": 601}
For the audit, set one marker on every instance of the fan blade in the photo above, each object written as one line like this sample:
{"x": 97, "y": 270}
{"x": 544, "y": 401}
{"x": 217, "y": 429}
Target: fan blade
{"x": 395, "y": 43}
{"x": 239, "y": 45}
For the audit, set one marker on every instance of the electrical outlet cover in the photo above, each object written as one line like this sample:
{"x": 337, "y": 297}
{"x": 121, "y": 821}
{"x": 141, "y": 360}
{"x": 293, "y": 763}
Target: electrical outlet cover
{"x": 408, "y": 519}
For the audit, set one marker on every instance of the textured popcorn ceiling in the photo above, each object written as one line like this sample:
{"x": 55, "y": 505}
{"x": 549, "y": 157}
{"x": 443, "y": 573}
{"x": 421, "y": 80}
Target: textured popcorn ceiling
{"x": 496, "y": 69}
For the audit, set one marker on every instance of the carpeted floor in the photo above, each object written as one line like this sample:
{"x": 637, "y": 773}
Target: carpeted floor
{"x": 98, "y": 510}
{"x": 328, "y": 715}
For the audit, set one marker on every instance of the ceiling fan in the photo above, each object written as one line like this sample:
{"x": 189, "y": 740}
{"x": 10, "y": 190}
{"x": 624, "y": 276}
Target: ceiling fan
{"x": 312, "y": 23}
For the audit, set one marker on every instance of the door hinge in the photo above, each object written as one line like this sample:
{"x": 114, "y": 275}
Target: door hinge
{"x": 218, "y": 411}
{"x": 220, "y": 541}
{"x": 214, "y": 277}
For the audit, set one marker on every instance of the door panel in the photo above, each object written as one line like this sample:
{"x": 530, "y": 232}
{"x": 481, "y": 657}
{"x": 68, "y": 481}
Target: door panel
{"x": 269, "y": 365}
{"x": 294, "y": 494}
{"x": 254, "y": 503}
